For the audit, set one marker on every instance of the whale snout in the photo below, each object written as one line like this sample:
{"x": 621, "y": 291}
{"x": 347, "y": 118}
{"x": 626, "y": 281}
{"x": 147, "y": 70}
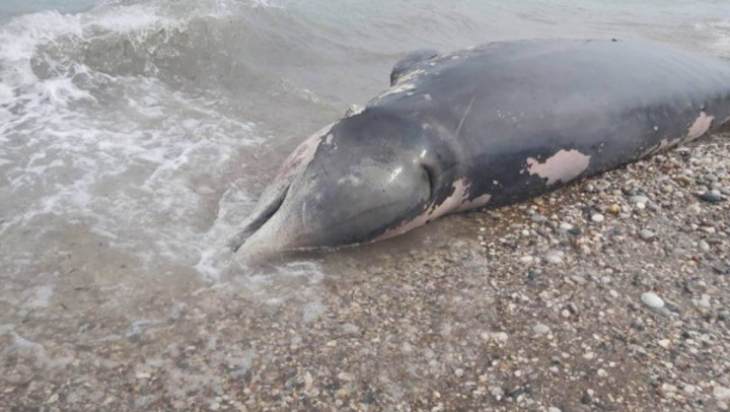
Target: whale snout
{"x": 332, "y": 204}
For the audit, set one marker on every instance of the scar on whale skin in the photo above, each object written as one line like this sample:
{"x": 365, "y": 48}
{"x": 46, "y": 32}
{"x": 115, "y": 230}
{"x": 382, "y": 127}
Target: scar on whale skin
{"x": 563, "y": 166}
{"x": 700, "y": 126}
{"x": 458, "y": 201}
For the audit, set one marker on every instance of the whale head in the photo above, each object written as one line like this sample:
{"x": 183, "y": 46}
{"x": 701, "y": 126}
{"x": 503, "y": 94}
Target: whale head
{"x": 354, "y": 182}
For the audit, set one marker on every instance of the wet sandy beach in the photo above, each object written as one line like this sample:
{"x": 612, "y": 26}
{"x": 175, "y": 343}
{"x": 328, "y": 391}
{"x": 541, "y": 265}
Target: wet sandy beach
{"x": 136, "y": 136}
{"x": 529, "y": 307}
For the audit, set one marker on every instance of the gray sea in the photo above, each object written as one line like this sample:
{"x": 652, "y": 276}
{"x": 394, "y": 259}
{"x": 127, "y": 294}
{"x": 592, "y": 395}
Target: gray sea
{"x": 135, "y": 136}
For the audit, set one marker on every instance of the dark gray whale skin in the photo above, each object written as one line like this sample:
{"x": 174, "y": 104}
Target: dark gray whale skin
{"x": 485, "y": 127}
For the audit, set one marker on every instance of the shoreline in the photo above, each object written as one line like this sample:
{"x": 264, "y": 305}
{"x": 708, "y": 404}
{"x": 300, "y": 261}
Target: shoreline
{"x": 540, "y": 309}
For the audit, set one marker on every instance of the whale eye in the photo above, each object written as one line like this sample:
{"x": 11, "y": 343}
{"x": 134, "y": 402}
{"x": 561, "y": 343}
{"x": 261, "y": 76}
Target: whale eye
{"x": 431, "y": 177}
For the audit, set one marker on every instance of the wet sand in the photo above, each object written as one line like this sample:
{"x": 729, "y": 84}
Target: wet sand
{"x": 530, "y": 307}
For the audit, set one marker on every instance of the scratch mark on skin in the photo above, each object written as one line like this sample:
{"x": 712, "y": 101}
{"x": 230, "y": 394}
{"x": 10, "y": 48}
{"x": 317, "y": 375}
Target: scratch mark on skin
{"x": 349, "y": 179}
{"x": 563, "y": 166}
{"x": 464, "y": 116}
{"x": 304, "y": 214}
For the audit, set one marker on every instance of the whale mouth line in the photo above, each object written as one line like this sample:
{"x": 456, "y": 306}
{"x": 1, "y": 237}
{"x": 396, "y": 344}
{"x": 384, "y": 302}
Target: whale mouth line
{"x": 258, "y": 219}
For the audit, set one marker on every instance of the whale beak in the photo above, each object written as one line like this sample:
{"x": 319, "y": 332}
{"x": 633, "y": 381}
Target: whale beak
{"x": 252, "y": 240}
{"x": 320, "y": 209}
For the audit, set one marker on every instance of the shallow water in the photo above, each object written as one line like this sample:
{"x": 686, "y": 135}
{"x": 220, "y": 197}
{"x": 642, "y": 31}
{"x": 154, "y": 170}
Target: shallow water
{"x": 135, "y": 136}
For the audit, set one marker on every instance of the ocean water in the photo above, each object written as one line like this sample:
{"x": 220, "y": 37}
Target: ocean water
{"x": 135, "y": 136}
{"x": 10, "y": 8}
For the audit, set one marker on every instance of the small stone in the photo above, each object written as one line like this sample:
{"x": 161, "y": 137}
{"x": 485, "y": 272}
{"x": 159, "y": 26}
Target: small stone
{"x": 459, "y": 373}
{"x": 541, "y": 329}
{"x": 597, "y": 218}
{"x": 566, "y": 227}
{"x": 53, "y": 398}
{"x": 639, "y": 201}
{"x": 721, "y": 393}
{"x": 344, "y": 376}
{"x": 554, "y": 409}
{"x": 664, "y": 343}
{"x": 587, "y": 397}
{"x": 527, "y": 259}
{"x": 143, "y": 375}
{"x": 647, "y": 234}
{"x": 538, "y": 218}
{"x": 704, "y": 246}
{"x": 614, "y": 209}
{"x": 497, "y": 392}
{"x": 308, "y": 381}
{"x": 668, "y": 388}
{"x": 554, "y": 256}
{"x": 712, "y": 196}
{"x": 652, "y": 300}
{"x": 495, "y": 336}
{"x": 704, "y": 301}
{"x": 689, "y": 389}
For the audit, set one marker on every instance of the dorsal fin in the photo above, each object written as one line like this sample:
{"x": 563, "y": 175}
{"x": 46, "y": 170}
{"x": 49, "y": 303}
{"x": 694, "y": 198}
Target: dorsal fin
{"x": 409, "y": 61}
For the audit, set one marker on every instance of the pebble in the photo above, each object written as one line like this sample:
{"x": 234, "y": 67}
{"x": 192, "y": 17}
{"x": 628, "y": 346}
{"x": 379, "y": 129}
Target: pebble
{"x": 614, "y": 209}
{"x": 704, "y": 246}
{"x": 704, "y": 302}
{"x": 497, "y": 392}
{"x": 639, "y": 201}
{"x": 652, "y": 300}
{"x": 554, "y": 256}
{"x": 495, "y": 336}
{"x": 538, "y": 218}
{"x": 721, "y": 393}
{"x": 53, "y": 398}
{"x": 668, "y": 388}
{"x": 566, "y": 227}
{"x": 527, "y": 259}
{"x": 541, "y": 329}
{"x": 597, "y": 218}
{"x": 646, "y": 234}
{"x": 711, "y": 196}
{"x": 142, "y": 375}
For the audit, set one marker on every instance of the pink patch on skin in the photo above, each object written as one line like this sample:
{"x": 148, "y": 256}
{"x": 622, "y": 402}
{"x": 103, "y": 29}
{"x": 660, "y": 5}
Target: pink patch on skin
{"x": 700, "y": 126}
{"x": 564, "y": 166}
{"x": 475, "y": 203}
{"x": 456, "y": 202}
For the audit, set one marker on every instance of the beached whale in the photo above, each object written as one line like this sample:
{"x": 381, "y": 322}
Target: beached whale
{"x": 484, "y": 127}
